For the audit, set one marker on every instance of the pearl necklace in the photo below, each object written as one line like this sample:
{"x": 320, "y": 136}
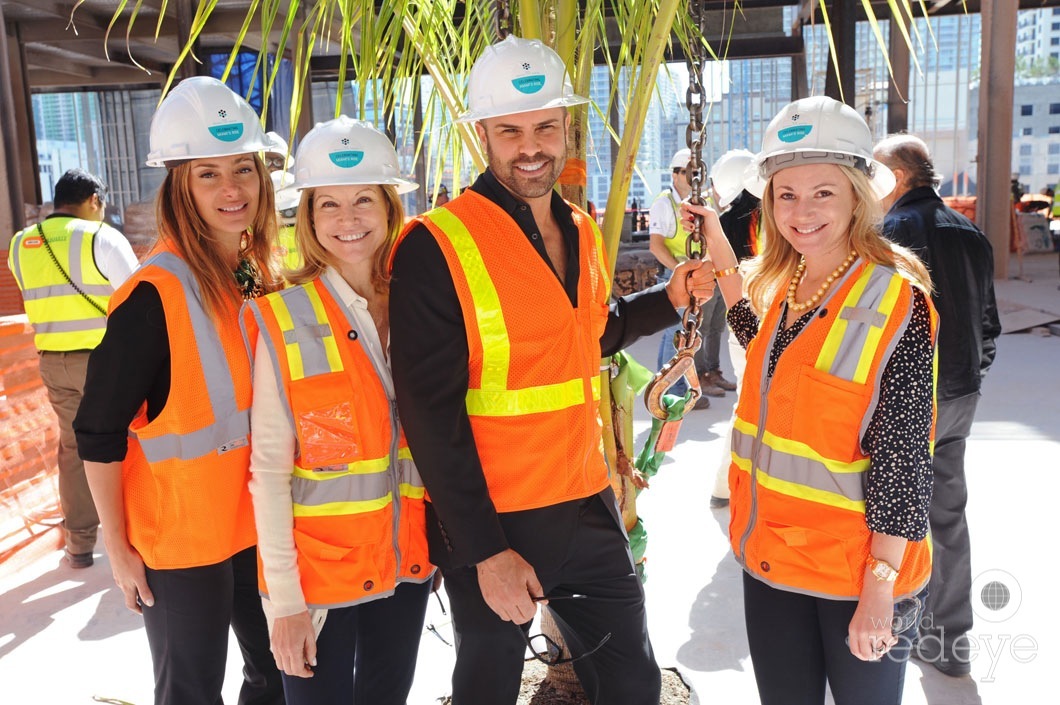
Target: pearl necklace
{"x": 800, "y": 272}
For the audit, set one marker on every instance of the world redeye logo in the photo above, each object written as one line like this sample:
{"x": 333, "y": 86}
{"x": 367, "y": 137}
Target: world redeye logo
{"x": 346, "y": 159}
{"x": 794, "y": 133}
{"x": 227, "y": 133}
{"x": 529, "y": 84}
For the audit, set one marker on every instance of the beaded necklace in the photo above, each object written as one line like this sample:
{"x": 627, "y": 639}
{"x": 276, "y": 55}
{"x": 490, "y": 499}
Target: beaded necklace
{"x": 800, "y": 272}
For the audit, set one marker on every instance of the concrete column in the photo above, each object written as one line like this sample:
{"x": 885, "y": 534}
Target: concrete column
{"x": 898, "y": 88}
{"x": 994, "y": 161}
{"x": 12, "y": 159}
{"x": 843, "y": 16}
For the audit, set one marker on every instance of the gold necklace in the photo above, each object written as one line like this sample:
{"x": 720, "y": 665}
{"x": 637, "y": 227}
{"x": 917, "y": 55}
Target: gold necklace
{"x": 800, "y": 272}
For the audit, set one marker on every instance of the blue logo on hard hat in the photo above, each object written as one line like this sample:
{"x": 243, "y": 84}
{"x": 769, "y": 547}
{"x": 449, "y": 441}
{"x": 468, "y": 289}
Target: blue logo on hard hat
{"x": 227, "y": 133}
{"x": 346, "y": 159}
{"x": 794, "y": 133}
{"x": 529, "y": 84}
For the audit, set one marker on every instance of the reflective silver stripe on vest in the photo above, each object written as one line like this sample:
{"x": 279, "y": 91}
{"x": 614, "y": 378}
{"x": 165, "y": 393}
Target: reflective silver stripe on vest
{"x": 344, "y": 488}
{"x": 70, "y": 326}
{"x": 407, "y": 473}
{"x": 77, "y": 237}
{"x": 798, "y": 469}
{"x": 231, "y": 427}
{"x": 308, "y": 332}
{"x": 44, "y": 292}
{"x": 860, "y": 320}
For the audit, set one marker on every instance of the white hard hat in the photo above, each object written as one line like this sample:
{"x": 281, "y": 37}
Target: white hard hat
{"x": 727, "y": 174}
{"x": 287, "y": 196}
{"x": 813, "y": 131}
{"x": 345, "y": 151}
{"x": 278, "y": 146}
{"x": 200, "y": 118}
{"x": 681, "y": 158}
{"x": 517, "y": 76}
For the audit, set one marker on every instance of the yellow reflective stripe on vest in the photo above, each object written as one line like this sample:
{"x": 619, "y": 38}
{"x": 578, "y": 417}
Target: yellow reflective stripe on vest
{"x": 532, "y": 400}
{"x": 494, "y": 398}
{"x": 496, "y": 346}
{"x": 798, "y": 471}
{"x": 357, "y": 467}
{"x": 854, "y": 338}
{"x": 331, "y": 509}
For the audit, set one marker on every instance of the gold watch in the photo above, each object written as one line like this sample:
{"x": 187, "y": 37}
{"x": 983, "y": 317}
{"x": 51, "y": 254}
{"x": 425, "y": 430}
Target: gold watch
{"x": 884, "y": 571}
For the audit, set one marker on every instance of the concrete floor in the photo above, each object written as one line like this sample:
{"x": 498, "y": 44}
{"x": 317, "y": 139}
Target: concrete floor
{"x": 66, "y": 638}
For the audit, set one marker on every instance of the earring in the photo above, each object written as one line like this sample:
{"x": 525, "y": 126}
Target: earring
{"x": 244, "y": 241}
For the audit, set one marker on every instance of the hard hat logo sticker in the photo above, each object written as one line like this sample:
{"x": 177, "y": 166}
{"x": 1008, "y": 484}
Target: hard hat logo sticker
{"x": 529, "y": 84}
{"x": 346, "y": 159}
{"x": 227, "y": 133}
{"x": 794, "y": 133}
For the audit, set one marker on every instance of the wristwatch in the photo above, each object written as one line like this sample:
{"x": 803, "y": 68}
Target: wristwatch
{"x": 883, "y": 570}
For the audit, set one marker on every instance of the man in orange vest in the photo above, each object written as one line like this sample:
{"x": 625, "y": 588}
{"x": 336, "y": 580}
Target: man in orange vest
{"x": 499, "y": 312}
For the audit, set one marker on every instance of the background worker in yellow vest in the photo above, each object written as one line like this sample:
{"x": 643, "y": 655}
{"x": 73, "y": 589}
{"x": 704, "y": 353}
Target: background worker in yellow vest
{"x": 346, "y": 582}
{"x": 667, "y": 242}
{"x": 499, "y": 311}
{"x": 67, "y": 267}
{"x": 164, "y": 426}
{"x": 831, "y": 473}
{"x": 287, "y": 198}
{"x": 739, "y": 215}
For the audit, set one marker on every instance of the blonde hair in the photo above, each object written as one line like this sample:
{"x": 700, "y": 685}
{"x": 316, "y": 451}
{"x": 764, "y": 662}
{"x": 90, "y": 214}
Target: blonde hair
{"x": 315, "y": 259}
{"x": 770, "y": 272}
{"x": 181, "y": 226}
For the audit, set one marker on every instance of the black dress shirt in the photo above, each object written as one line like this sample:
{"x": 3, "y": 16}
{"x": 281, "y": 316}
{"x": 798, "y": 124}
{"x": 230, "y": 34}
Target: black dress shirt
{"x": 429, "y": 357}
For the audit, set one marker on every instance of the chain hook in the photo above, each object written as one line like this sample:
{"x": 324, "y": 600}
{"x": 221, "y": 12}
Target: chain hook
{"x": 687, "y": 340}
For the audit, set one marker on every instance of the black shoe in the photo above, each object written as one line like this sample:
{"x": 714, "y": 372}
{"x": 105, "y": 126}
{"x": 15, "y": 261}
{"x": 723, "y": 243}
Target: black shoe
{"x": 718, "y": 502}
{"x": 80, "y": 560}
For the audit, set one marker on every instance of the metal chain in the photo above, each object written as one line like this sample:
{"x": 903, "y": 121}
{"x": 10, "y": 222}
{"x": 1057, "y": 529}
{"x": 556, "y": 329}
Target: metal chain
{"x": 695, "y": 246}
{"x": 504, "y": 19}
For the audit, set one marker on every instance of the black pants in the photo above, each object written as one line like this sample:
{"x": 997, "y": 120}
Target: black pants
{"x": 595, "y": 561}
{"x": 187, "y": 630}
{"x": 948, "y": 612}
{"x": 799, "y": 641}
{"x": 366, "y": 654}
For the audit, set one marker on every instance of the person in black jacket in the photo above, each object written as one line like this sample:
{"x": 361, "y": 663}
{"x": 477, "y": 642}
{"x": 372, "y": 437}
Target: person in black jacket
{"x": 961, "y": 263}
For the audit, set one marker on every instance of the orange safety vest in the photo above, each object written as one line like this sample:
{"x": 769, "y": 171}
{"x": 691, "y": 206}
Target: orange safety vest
{"x": 185, "y": 474}
{"x": 354, "y": 541}
{"x": 798, "y": 471}
{"x": 534, "y": 360}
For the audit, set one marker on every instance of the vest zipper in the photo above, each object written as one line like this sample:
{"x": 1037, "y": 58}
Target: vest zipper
{"x": 395, "y": 483}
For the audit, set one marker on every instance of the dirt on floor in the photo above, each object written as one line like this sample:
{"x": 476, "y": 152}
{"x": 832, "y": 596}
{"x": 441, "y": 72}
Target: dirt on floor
{"x": 536, "y": 691}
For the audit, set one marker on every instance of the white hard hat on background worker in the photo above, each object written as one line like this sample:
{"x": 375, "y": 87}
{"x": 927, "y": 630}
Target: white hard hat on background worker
{"x": 681, "y": 158}
{"x": 345, "y": 151}
{"x": 517, "y": 76}
{"x": 727, "y": 175}
{"x": 813, "y": 131}
{"x": 202, "y": 118}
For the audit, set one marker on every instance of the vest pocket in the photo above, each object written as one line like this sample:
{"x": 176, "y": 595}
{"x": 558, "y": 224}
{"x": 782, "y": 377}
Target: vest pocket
{"x": 325, "y": 421}
{"x": 828, "y": 414}
{"x": 801, "y": 557}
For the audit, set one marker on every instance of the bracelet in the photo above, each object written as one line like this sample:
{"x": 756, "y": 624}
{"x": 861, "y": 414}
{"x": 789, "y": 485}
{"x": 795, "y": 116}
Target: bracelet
{"x": 729, "y": 271}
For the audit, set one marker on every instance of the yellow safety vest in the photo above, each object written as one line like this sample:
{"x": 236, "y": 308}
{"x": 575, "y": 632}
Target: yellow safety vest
{"x": 675, "y": 245}
{"x": 62, "y": 318}
{"x": 1056, "y": 201}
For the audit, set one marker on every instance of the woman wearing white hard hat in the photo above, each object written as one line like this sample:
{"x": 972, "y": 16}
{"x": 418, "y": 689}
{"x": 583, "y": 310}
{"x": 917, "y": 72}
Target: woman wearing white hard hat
{"x": 830, "y": 480}
{"x": 164, "y": 426}
{"x": 339, "y": 503}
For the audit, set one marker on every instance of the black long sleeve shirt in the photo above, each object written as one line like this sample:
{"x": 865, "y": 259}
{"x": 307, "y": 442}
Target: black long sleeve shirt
{"x": 429, "y": 357}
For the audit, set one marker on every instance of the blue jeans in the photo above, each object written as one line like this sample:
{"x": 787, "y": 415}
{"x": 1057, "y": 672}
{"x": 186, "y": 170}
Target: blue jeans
{"x": 711, "y": 325}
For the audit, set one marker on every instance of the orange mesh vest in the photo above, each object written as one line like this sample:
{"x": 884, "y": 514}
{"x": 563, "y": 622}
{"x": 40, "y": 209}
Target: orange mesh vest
{"x": 359, "y": 525}
{"x": 798, "y": 472}
{"x": 533, "y": 366}
{"x": 185, "y": 473}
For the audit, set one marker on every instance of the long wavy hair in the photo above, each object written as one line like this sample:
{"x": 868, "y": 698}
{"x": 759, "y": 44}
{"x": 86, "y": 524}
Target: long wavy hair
{"x": 181, "y": 226}
{"x": 766, "y": 275}
{"x": 315, "y": 259}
